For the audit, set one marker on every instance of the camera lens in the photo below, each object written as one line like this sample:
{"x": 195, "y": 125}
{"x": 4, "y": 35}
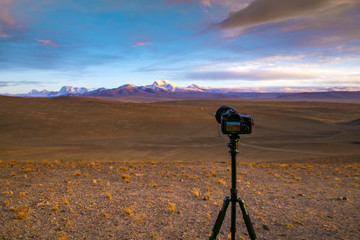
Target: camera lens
{"x": 223, "y": 109}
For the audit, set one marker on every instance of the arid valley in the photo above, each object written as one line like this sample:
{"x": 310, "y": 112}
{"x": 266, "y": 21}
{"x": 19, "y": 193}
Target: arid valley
{"x": 89, "y": 168}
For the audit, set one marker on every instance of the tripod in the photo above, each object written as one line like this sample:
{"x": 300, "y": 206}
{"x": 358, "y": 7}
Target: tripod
{"x": 234, "y": 138}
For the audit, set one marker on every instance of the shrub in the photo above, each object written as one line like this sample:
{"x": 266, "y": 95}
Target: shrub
{"x": 221, "y": 181}
{"x": 124, "y": 168}
{"x": 68, "y": 224}
{"x": 55, "y": 207}
{"x": 108, "y": 195}
{"x": 126, "y": 177}
{"x": 128, "y": 210}
{"x": 196, "y": 192}
{"x": 21, "y": 195}
{"x": 171, "y": 207}
{"x": 21, "y": 215}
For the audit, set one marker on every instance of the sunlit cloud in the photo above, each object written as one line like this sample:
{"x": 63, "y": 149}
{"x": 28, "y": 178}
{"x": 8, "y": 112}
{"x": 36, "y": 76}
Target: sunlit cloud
{"x": 278, "y": 58}
{"x": 46, "y": 43}
{"x": 253, "y": 75}
{"x": 300, "y": 71}
{"x": 141, "y": 43}
{"x": 317, "y": 89}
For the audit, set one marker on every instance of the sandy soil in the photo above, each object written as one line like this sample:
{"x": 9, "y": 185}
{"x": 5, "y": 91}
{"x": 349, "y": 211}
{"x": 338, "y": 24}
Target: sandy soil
{"x": 318, "y": 199}
{"x": 77, "y": 168}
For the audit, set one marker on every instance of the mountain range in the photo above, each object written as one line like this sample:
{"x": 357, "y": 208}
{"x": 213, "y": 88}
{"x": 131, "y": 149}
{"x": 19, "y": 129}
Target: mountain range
{"x": 166, "y": 89}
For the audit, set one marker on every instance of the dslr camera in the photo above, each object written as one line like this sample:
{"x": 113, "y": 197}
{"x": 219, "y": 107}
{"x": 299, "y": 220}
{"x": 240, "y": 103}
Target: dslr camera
{"x": 232, "y": 122}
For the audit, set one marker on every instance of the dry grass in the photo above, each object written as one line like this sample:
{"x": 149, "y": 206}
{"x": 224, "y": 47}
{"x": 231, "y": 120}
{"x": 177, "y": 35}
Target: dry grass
{"x": 171, "y": 207}
{"x": 171, "y": 204}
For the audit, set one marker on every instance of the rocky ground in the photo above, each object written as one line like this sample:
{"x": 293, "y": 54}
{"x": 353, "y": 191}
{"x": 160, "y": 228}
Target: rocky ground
{"x": 301, "y": 199}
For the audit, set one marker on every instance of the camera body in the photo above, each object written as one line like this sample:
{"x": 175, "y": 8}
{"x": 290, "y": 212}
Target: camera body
{"x": 232, "y": 122}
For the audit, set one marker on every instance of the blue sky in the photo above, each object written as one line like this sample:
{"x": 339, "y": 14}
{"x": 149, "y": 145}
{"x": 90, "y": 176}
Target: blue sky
{"x": 257, "y": 45}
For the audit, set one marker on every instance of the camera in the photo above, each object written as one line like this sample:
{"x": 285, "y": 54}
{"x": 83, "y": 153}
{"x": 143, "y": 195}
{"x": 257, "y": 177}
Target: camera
{"x": 232, "y": 122}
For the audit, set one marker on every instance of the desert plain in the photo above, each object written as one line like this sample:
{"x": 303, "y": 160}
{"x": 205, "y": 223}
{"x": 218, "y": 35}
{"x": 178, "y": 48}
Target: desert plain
{"x": 89, "y": 168}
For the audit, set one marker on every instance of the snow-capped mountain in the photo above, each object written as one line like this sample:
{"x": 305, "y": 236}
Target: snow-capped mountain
{"x": 64, "y": 91}
{"x": 163, "y": 85}
{"x": 194, "y": 87}
{"x": 159, "y": 87}
{"x": 43, "y": 93}
{"x": 72, "y": 90}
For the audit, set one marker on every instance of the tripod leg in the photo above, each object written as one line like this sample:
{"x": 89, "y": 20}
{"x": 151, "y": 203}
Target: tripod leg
{"x": 247, "y": 220}
{"x": 220, "y": 218}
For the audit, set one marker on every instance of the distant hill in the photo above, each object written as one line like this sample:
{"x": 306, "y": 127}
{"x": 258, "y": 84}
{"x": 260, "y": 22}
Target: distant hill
{"x": 333, "y": 95}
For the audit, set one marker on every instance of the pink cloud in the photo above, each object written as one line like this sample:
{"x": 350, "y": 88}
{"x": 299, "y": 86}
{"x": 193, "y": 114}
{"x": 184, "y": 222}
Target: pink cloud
{"x": 142, "y": 43}
{"x": 5, "y": 12}
{"x": 7, "y": 21}
{"x": 46, "y": 43}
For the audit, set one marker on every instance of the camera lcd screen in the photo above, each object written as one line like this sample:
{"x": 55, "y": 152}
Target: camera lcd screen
{"x": 232, "y": 126}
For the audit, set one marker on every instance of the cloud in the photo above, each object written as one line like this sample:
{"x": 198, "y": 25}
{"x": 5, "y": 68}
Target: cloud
{"x": 4, "y": 84}
{"x": 263, "y": 11}
{"x": 250, "y": 75}
{"x": 5, "y": 12}
{"x": 293, "y": 25}
{"x": 316, "y": 89}
{"x": 46, "y": 43}
{"x": 231, "y": 4}
{"x": 141, "y": 43}
{"x": 17, "y": 83}
{"x": 7, "y": 21}
{"x": 336, "y": 24}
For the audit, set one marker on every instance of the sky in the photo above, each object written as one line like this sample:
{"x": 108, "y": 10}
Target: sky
{"x": 254, "y": 45}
